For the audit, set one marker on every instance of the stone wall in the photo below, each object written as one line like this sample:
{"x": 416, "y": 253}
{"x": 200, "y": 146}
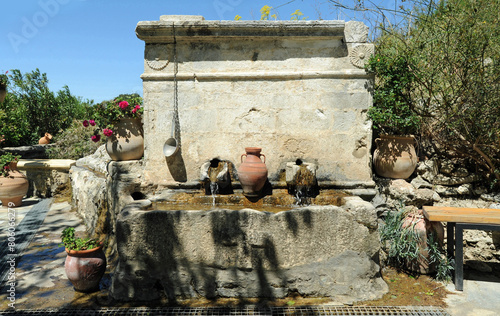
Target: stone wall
{"x": 316, "y": 251}
{"x": 46, "y": 177}
{"x": 295, "y": 88}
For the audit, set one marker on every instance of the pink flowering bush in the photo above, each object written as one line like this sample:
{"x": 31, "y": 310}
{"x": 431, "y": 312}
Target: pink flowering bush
{"x": 107, "y": 113}
{"x": 5, "y": 161}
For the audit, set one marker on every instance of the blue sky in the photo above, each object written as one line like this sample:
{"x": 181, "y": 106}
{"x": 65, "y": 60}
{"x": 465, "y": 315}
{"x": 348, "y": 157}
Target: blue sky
{"x": 91, "y": 46}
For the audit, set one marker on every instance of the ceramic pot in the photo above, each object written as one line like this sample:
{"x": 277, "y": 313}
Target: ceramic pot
{"x": 3, "y": 92}
{"x": 252, "y": 172}
{"x": 395, "y": 156}
{"x": 13, "y": 187}
{"x": 85, "y": 268}
{"x": 45, "y": 139}
{"x": 423, "y": 228}
{"x": 127, "y": 141}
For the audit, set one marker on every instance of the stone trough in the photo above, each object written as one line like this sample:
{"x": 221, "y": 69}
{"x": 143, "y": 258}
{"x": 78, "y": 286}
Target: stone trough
{"x": 314, "y": 251}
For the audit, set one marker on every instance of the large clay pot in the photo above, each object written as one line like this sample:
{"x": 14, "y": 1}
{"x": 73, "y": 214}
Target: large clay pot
{"x": 252, "y": 172}
{"x": 3, "y": 92}
{"x": 13, "y": 187}
{"x": 395, "y": 157}
{"x": 127, "y": 141}
{"x": 85, "y": 268}
{"x": 423, "y": 227}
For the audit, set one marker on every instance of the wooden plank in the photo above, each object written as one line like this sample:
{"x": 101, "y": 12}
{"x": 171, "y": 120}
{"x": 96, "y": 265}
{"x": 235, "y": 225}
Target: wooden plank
{"x": 462, "y": 214}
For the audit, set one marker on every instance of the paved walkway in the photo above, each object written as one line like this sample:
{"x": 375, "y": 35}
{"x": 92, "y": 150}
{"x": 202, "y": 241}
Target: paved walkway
{"x": 41, "y": 282}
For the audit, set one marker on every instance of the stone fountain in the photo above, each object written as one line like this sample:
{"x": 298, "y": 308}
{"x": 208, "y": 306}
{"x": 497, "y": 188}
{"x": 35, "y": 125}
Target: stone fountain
{"x": 298, "y": 90}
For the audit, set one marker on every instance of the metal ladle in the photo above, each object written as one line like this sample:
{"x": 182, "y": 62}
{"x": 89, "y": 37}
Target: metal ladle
{"x": 171, "y": 145}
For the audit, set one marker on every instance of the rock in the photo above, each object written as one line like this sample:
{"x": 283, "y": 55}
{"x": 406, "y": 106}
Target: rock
{"x": 400, "y": 190}
{"x": 418, "y": 182}
{"x": 460, "y": 173}
{"x": 464, "y": 189}
{"x": 88, "y": 195}
{"x": 98, "y": 161}
{"x": 426, "y": 197}
{"x": 428, "y": 169}
{"x": 444, "y": 180}
{"x": 446, "y": 167}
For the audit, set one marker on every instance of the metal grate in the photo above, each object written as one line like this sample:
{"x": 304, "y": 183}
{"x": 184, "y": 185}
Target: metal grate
{"x": 244, "y": 311}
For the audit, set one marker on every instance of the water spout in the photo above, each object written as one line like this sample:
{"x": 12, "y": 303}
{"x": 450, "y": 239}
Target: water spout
{"x": 301, "y": 181}
{"x": 216, "y": 177}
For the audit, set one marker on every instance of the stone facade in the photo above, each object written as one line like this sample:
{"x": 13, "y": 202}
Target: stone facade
{"x": 295, "y": 88}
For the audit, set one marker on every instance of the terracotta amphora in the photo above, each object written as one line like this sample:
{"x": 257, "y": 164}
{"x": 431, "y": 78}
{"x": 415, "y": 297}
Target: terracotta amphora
{"x": 252, "y": 172}
{"x": 45, "y": 139}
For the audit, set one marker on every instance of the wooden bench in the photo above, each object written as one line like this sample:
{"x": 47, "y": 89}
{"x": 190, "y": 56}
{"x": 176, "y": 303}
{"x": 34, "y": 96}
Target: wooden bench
{"x": 458, "y": 219}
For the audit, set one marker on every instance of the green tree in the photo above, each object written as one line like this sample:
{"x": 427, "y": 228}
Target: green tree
{"x": 31, "y": 109}
{"x": 451, "y": 50}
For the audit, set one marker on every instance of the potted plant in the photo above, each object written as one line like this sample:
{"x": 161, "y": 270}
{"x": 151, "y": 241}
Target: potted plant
{"x": 395, "y": 118}
{"x": 85, "y": 261}
{"x": 120, "y": 121}
{"x": 415, "y": 244}
{"x": 4, "y": 80}
{"x": 13, "y": 184}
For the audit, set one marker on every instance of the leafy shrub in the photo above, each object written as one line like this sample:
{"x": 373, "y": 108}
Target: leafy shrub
{"x": 448, "y": 62}
{"x": 73, "y": 143}
{"x": 393, "y": 111}
{"x": 31, "y": 109}
{"x": 403, "y": 245}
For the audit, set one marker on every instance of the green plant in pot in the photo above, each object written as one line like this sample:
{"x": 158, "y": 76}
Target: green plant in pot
{"x": 13, "y": 184}
{"x": 85, "y": 261}
{"x": 414, "y": 244}
{"x": 394, "y": 117}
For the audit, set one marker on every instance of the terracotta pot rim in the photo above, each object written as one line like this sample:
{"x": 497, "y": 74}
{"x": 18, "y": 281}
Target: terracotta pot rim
{"x": 253, "y": 148}
{"x": 77, "y": 253}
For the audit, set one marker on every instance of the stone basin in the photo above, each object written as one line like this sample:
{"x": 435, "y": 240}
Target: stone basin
{"x": 314, "y": 251}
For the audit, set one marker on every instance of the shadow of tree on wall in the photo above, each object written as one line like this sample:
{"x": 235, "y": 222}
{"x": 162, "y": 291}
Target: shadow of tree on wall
{"x": 242, "y": 263}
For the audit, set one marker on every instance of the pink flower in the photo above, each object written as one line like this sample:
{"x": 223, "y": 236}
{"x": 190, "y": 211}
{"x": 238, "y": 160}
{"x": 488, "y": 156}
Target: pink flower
{"x": 136, "y": 108}
{"x": 95, "y": 138}
{"x": 86, "y": 123}
{"x": 107, "y": 132}
{"x": 92, "y": 122}
{"x": 6, "y": 167}
{"x": 123, "y": 104}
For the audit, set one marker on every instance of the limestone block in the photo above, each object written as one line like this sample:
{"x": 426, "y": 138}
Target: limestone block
{"x": 248, "y": 253}
{"x": 88, "y": 195}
